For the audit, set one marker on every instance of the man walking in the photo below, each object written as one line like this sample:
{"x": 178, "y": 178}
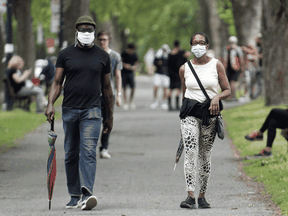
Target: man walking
{"x": 233, "y": 64}
{"x": 161, "y": 78}
{"x": 130, "y": 61}
{"x": 176, "y": 59}
{"x": 86, "y": 69}
{"x": 104, "y": 40}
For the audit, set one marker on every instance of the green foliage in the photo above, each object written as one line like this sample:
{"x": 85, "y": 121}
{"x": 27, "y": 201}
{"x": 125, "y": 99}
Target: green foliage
{"x": 15, "y": 124}
{"x": 41, "y": 13}
{"x": 273, "y": 171}
{"x": 225, "y": 11}
{"x": 152, "y": 23}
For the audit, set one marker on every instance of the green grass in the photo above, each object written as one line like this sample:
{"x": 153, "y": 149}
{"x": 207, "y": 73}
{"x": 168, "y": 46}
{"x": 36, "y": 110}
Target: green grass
{"x": 16, "y": 123}
{"x": 273, "y": 171}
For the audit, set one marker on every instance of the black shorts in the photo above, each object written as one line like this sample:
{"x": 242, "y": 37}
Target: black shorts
{"x": 128, "y": 78}
{"x": 232, "y": 75}
{"x": 175, "y": 84}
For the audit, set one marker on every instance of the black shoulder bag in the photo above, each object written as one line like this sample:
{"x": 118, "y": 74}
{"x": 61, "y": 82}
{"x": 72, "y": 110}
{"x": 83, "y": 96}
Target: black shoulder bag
{"x": 219, "y": 122}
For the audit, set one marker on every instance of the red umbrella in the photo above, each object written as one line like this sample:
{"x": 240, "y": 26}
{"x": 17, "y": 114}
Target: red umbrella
{"x": 51, "y": 163}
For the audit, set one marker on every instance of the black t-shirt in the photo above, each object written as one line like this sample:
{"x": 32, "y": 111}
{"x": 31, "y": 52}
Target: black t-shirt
{"x": 16, "y": 86}
{"x": 83, "y": 69}
{"x": 129, "y": 59}
{"x": 174, "y": 63}
{"x": 163, "y": 67}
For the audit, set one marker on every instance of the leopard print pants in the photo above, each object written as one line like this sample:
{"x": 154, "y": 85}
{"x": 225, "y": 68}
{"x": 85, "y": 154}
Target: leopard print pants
{"x": 198, "y": 141}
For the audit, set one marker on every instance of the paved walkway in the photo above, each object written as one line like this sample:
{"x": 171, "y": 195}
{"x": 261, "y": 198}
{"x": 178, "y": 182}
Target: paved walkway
{"x": 137, "y": 180}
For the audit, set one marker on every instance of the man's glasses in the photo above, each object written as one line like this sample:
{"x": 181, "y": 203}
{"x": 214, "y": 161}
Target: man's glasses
{"x": 90, "y": 30}
{"x": 195, "y": 43}
{"x": 100, "y": 40}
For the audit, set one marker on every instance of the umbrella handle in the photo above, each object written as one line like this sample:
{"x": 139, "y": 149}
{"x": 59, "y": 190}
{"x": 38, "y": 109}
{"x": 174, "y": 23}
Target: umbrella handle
{"x": 52, "y": 125}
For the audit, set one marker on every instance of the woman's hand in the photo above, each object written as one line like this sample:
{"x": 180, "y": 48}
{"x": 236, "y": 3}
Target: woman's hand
{"x": 214, "y": 106}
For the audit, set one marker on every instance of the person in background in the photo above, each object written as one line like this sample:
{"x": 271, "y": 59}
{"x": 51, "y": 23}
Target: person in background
{"x": 211, "y": 53}
{"x": 86, "y": 69}
{"x": 161, "y": 78}
{"x": 48, "y": 73}
{"x": 258, "y": 41}
{"x": 233, "y": 62}
{"x": 21, "y": 84}
{"x": 277, "y": 118}
{"x": 130, "y": 62}
{"x": 148, "y": 59}
{"x": 198, "y": 126}
{"x": 104, "y": 40}
{"x": 176, "y": 58}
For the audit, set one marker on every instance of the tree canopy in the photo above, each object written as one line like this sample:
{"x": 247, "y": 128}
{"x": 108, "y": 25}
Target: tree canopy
{"x": 152, "y": 23}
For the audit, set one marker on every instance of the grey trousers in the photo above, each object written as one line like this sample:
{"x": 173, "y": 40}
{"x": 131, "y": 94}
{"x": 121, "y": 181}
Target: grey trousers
{"x": 35, "y": 90}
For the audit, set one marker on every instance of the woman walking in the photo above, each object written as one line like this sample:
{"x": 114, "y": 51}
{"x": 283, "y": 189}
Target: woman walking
{"x": 198, "y": 123}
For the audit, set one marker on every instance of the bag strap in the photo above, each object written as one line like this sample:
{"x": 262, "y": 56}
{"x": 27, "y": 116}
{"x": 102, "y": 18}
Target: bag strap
{"x": 198, "y": 80}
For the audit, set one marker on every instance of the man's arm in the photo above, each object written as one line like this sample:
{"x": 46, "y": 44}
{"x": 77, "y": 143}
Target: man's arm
{"x": 54, "y": 93}
{"x": 119, "y": 86}
{"x": 108, "y": 101}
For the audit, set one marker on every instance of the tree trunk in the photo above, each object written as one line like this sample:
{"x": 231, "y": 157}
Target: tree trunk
{"x": 275, "y": 51}
{"x": 72, "y": 11}
{"x": 111, "y": 26}
{"x": 247, "y": 16}
{"x": 216, "y": 29}
{"x": 25, "y": 34}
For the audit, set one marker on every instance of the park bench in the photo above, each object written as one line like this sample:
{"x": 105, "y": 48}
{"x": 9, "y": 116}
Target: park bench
{"x": 22, "y": 102}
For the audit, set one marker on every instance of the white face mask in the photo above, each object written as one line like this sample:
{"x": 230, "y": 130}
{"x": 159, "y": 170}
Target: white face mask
{"x": 199, "y": 50}
{"x": 85, "y": 38}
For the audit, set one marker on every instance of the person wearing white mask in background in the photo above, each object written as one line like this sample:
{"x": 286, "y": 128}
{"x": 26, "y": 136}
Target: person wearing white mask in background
{"x": 198, "y": 116}
{"x": 86, "y": 69}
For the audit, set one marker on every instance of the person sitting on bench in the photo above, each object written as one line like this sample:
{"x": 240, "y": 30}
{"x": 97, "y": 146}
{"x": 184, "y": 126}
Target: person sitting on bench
{"x": 20, "y": 83}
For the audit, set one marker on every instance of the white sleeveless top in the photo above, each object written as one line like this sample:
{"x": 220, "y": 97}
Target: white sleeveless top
{"x": 208, "y": 76}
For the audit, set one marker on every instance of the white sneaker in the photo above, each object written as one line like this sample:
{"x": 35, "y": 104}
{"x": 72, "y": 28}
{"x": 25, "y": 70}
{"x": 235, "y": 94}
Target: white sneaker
{"x": 154, "y": 105}
{"x": 164, "y": 106}
{"x": 104, "y": 154}
{"x": 132, "y": 106}
{"x": 89, "y": 203}
{"x": 125, "y": 106}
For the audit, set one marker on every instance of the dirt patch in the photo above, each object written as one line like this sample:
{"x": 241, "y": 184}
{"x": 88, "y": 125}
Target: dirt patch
{"x": 257, "y": 186}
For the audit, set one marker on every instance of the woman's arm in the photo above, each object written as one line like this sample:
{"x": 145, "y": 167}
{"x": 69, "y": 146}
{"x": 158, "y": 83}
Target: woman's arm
{"x": 182, "y": 78}
{"x": 20, "y": 79}
{"x": 225, "y": 87}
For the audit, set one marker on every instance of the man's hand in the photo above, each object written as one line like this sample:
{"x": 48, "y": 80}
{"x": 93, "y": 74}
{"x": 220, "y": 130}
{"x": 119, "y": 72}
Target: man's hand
{"x": 108, "y": 125}
{"x": 118, "y": 100}
{"x": 50, "y": 113}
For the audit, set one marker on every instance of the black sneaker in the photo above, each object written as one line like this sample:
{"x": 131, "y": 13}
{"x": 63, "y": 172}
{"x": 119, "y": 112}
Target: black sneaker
{"x": 262, "y": 154}
{"x": 254, "y": 136}
{"x": 202, "y": 203}
{"x": 188, "y": 203}
{"x": 75, "y": 202}
{"x": 88, "y": 202}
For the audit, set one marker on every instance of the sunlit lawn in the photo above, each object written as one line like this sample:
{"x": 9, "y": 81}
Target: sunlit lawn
{"x": 15, "y": 124}
{"x": 273, "y": 171}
